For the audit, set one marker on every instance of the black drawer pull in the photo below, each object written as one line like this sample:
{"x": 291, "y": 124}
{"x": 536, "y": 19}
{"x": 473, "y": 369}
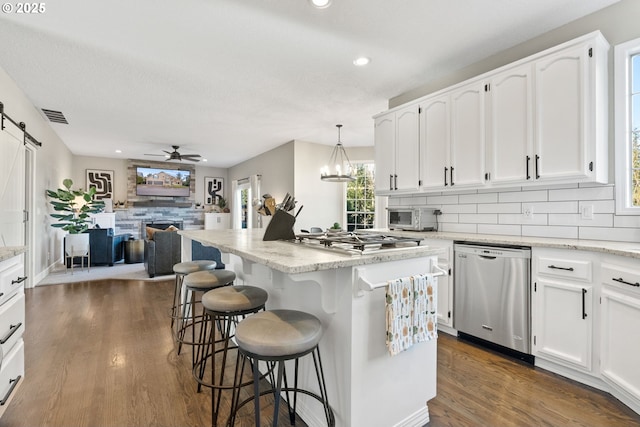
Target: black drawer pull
{"x": 621, "y": 280}
{"x": 19, "y": 280}
{"x": 561, "y": 268}
{"x": 12, "y": 330}
{"x": 13, "y": 383}
{"x": 584, "y": 313}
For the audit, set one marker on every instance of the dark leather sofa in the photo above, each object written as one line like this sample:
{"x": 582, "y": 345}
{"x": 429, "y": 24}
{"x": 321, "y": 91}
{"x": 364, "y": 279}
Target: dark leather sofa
{"x": 162, "y": 253}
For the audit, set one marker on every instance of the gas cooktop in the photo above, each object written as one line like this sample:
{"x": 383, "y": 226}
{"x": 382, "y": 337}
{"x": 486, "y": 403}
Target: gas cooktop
{"x": 357, "y": 242}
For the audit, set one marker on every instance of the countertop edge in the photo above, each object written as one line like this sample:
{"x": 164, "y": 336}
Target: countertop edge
{"x": 9, "y": 252}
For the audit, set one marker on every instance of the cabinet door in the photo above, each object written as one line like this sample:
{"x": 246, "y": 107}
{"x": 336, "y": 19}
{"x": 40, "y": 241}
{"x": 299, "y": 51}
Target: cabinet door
{"x": 467, "y": 136}
{"x": 12, "y": 185}
{"x": 406, "y": 174}
{"x": 561, "y": 93}
{"x": 510, "y": 122}
{"x": 385, "y": 131}
{"x": 620, "y": 344}
{"x": 435, "y": 140}
{"x": 563, "y": 322}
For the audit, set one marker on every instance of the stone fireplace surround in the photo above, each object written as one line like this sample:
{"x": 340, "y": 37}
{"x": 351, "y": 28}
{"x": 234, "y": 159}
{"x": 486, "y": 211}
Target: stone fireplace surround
{"x": 133, "y": 220}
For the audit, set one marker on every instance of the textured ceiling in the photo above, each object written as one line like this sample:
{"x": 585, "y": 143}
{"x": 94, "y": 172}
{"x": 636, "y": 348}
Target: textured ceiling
{"x": 230, "y": 79}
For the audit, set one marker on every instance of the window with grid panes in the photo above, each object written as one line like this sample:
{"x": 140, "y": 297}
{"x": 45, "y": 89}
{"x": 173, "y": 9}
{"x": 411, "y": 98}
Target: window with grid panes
{"x": 361, "y": 201}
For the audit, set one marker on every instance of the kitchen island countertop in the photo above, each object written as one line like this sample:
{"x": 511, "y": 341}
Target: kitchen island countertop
{"x": 11, "y": 251}
{"x": 292, "y": 258}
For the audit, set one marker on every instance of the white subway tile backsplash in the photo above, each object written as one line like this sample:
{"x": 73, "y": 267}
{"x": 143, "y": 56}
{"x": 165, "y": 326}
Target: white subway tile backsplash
{"x": 535, "y": 219}
{"x": 478, "y": 218}
{"x": 394, "y": 201}
{"x": 599, "y": 206}
{"x": 470, "y": 208}
{"x": 447, "y": 217}
{"x": 599, "y": 220}
{"x": 629, "y": 221}
{"x": 418, "y": 200}
{"x": 548, "y": 231}
{"x": 479, "y": 198}
{"x": 616, "y": 234}
{"x": 523, "y": 196}
{"x": 510, "y": 230}
{"x": 588, "y": 193}
{"x": 459, "y": 228}
{"x": 551, "y": 207}
{"x": 500, "y": 208}
{"x": 442, "y": 200}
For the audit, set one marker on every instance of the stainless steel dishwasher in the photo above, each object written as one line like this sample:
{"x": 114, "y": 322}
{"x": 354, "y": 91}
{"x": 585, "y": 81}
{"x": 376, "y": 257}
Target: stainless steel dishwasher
{"x": 492, "y": 294}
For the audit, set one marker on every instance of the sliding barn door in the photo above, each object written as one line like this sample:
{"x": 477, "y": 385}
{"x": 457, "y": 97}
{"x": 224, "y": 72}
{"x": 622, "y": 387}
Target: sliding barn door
{"x": 12, "y": 186}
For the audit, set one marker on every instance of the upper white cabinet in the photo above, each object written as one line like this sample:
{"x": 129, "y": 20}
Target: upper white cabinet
{"x": 397, "y": 145}
{"x": 542, "y": 119}
{"x": 571, "y": 113}
{"x": 510, "y": 126}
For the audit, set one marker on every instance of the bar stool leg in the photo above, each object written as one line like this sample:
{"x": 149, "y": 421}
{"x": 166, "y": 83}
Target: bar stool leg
{"x": 256, "y": 391}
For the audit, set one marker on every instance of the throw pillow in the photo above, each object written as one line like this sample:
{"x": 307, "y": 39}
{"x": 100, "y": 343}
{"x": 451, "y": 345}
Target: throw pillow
{"x": 172, "y": 228}
{"x": 151, "y": 231}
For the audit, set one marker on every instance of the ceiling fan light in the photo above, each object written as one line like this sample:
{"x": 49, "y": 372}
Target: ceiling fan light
{"x": 361, "y": 61}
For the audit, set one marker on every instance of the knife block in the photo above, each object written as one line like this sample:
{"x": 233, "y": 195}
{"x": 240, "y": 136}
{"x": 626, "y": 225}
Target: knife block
{"x": 280, "y": 227}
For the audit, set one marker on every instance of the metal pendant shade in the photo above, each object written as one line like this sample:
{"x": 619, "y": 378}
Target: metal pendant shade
{"x": 338, "y": 160}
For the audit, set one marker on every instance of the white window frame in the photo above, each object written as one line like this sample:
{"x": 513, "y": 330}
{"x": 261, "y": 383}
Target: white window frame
{"x": 622, "y": 112}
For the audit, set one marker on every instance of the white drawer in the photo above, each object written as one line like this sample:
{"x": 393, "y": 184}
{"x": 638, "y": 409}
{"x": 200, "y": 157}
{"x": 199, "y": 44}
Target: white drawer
{"x": 11, "y": 373}
{"x": 625, "y": 278}
{"x": 11, "y": 322}
{"x": 565, "y": 268}
{"x": 11, "y": 279}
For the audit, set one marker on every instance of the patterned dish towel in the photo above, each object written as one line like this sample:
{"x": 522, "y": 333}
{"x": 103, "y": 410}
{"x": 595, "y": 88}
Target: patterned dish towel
{"x": 410, "y": 311}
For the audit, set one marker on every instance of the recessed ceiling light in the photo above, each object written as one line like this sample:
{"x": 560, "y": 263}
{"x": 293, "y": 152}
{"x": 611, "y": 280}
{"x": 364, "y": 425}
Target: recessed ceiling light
{"x": 320, "y": 4}
{"x": 118, "y": 151}
{"x": 362, "y": 61}
{"x": 204, "y": 160}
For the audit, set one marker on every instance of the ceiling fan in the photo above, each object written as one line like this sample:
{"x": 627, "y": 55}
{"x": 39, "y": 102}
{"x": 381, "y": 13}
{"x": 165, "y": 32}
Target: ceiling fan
{"x": 175, "y": 155}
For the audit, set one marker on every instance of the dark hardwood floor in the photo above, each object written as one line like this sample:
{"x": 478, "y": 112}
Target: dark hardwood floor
{"x": 101, "y": 354}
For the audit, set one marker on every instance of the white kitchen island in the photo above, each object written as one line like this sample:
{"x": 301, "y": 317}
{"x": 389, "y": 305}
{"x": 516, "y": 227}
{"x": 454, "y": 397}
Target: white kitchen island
{"x": 366, "y": 386}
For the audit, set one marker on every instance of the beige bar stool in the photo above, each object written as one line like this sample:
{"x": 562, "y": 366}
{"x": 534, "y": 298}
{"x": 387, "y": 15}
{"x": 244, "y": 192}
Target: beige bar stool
{"x": 198, "y": 283}
{"x": 224, "y": 308}
{"x": 181, "y": 269}
{"x": 277, "y": 336}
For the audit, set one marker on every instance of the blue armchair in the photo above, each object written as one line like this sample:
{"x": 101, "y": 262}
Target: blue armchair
{"x": 105, "y": 247}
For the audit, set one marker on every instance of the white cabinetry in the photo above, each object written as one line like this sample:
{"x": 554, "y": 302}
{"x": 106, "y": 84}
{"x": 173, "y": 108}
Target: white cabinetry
{"x": 570, "y": 89}
{"x": 435, "y": 141}
{"x": 104, "y": 220}
{"x": 12, "y": 324}
{"x": 510, "y": 126}
{"x": 620, "y": 329}
{"x": 217, "y": 220}
{"x": 445, "y": 284}
{"x": 562, "y": 312}
{"x": 397, "y": 145}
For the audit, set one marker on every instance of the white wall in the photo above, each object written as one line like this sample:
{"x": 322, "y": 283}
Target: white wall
{"x": 53, "y": 164}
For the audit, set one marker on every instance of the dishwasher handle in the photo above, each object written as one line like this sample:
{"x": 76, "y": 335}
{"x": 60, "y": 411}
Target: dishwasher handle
{"x": 487, "y": 257}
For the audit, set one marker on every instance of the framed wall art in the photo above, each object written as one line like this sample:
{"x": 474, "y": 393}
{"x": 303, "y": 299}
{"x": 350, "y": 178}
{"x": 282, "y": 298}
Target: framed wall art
{"x": 102, "y": 180}
{"x": 213, "y": 190}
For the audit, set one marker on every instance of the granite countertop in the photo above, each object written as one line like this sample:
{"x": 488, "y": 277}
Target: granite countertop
{"x": 628, "y": 249}
{"x": 291, "y": 258}
{"x": 11, "y": 251}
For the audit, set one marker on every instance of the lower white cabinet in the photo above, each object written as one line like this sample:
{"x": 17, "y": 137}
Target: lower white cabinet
{"x": 563, "y": 312}
{"x": 12, "y": 324}
{"x": 217, "y": 221}
{"x": 620, "y": 329}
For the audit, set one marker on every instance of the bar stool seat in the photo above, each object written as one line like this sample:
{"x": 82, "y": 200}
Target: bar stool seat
{"x": 200, "y": 281}
{"x": 225, "y": 307}
{"x": 181, "y": 269}
{"x": 276, "y": 336}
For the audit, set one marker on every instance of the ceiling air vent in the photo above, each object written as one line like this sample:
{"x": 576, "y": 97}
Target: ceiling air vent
{"x": 55, "y": 116}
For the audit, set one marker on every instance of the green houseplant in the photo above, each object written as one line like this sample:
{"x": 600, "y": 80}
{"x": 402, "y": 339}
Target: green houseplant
{"x": 73, "y": 207}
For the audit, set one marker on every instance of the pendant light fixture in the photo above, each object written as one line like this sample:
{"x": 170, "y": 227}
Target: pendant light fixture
{"x": 339, "y": 160}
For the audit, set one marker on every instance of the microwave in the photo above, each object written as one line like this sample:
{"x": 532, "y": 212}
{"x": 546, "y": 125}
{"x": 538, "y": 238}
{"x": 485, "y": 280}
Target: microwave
{"x": 412, "y": 218}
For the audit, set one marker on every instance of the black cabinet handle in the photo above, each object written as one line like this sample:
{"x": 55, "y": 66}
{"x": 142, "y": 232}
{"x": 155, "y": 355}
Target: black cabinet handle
{"x": 12, "y": 330}
{"x": 13, "y": 383}
{"x": 528, "y": 160}
{"x": 451, "y": 173}
{"x": 445, "y": 176}
{"x": 621, "y": 280}
{"x": 19, "y": 280}
{"x": 561, "y": 268}
{"x": 395, "y": 182}
{"x": 584, "y": 313}
{"x": 391, "y": 182}
{"x": 537, "y": 167}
